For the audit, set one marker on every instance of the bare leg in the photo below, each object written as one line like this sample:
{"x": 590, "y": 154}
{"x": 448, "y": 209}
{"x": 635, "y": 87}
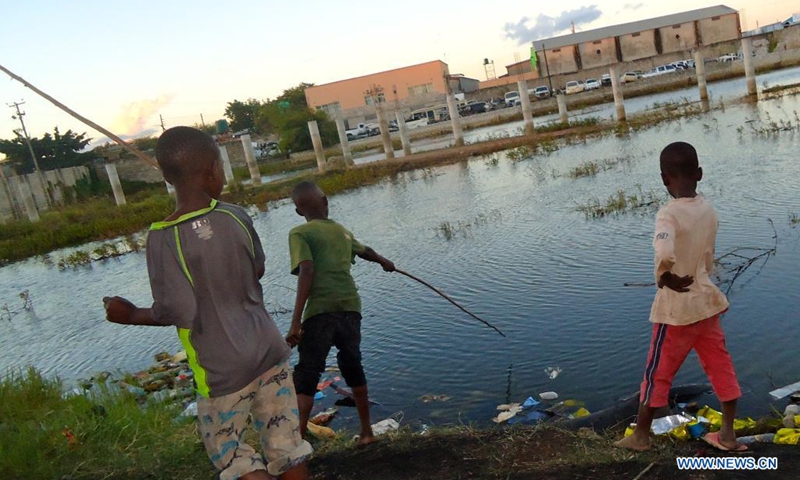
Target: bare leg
{"x": 304, "y": 405}
{"x": 727, "y": 437}
{"x": 640, "y": 439}
{"x": 299, "y": 472}
{"x": 361, "y": 395}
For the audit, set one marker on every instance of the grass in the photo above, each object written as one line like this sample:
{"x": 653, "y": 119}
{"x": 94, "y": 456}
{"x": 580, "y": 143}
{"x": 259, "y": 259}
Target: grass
{"x": 794, "y": 218}
{"x": 96, "y": 219}
{"x": 593, "y": 167}
{"x": 619, "y": 203}
{"x": 449, "y": 230}
{"x": 274, "y": 167}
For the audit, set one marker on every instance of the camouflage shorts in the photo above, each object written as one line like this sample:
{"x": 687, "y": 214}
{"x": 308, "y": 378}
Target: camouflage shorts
{"x": 271, "y": 401}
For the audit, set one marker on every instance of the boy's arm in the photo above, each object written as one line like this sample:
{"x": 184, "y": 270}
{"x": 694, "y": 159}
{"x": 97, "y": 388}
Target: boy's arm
{"x": 122, "y": 311}
{"x": 373, "y": 256}
{"x": 305, "y": 277}
{"x": 664, "y": 244}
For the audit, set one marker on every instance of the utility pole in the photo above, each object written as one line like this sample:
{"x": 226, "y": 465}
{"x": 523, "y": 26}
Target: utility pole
{"x": 163, "y": 128}
{"x": 44, "y": 184}
{"x": 202, "y": 121}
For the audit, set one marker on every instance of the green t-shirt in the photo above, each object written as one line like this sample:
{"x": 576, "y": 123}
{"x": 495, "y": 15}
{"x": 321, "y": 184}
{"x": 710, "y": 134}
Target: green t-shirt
{"x": 332, "y": 248}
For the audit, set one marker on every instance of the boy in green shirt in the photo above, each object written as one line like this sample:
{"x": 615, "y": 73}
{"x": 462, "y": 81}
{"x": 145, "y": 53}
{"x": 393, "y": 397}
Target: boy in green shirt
{"x": 327, "y": 310}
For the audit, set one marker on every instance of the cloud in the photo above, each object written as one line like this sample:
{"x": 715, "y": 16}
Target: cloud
{"x": 546, "y": 26}
{"x": 148, "y": 132}
{"x": 135, "y": 117}
{"x": 632, "y": 6}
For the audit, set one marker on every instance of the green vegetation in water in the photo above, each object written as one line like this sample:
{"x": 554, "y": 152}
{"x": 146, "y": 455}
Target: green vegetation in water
{"x": 621, "y": 202}
{"x": 105, "y": 251}
{"x": 593, "y": 167}
{"x": 274, "y": 167}
{"x": 449, "y": 230}
{"x": 97, "y": 219}
{"x": 557, "y": 126}
{"x": 794, "y": 218}
{"x": 770, "y": 127}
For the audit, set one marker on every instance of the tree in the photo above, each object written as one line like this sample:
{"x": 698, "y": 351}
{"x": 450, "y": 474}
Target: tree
{"x": 52, "y": 151}
{"x": 242, "y": 115}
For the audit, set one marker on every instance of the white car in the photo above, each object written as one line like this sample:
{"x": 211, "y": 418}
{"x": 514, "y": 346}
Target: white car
{"x": 628, "y": 77}
{"x": 592, "y": 83}
{"x": 511, "y": 98}
{"x": 575, "y": 86}
{"x": 729, "y": 57}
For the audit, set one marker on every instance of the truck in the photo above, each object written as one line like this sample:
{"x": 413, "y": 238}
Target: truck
{"x": 361, "y": 131}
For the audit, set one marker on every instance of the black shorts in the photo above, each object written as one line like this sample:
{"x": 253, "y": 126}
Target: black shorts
{"x": 321, "y": 332}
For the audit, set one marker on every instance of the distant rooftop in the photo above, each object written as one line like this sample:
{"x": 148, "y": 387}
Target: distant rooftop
{"x": 632, "y": 27}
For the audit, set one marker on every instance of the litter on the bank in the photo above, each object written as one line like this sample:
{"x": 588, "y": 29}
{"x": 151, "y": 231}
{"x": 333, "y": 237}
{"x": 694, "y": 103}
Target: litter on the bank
{"x": 552, "y": 372}
{"x": 763, "y": 438}
{"x": 190, "y": 410}
{"x": 320, "y": 432}
{"x": 507, "y": 412}
{"x": 666, "y": 424}
{"x": 548, "y": 395}
{"x": 385, "y": 426}
{"x": 324, "y": 418}
{"x": 530, "y": 402}
{"x": 715, "y": 419}
{"x": 788, "y": 436}
{"x": 529, "y": 418}
{"x": 782, "y": 392}
{"x": 319, "y": 396}
{"x": 433, "y": 398}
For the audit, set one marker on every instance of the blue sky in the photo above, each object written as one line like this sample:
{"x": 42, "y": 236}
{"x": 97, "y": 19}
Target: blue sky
{"x": 123, "y": 63}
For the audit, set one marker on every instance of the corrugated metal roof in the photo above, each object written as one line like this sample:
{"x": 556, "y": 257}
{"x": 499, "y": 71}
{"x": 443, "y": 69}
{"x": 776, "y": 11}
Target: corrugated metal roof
{"x": 632, "y": 27}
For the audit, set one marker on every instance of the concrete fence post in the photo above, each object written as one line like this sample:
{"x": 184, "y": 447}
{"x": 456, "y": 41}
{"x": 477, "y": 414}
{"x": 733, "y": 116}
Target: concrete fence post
{"x": 344, "y": 142}
{"x": 700, "y": 71}
{"x": 116, "y": 186}
{"x": 26, "y": 199}
{"x": 316, "y": 140}
{"x": 250, "y": 156}
{"x": 562, "y": 108}
{"x": 619, "y": 103}
{"x": 401, "y": 125}
{"x": 525, "y": 101}
{"x": 749, "y": 68}
{"x": 386, "y": 139}
{"x": 455, "y": 120}
{"x": 226, "y": 164}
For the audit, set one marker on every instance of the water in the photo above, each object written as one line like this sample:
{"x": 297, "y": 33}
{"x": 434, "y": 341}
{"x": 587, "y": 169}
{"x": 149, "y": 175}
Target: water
{"x": 531, "y": 264}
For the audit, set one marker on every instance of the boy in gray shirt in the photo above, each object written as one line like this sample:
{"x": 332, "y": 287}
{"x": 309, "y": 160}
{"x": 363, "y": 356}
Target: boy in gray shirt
{"x": 204, "y": 262}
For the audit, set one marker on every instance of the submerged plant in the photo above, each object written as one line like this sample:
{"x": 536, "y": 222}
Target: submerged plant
{"x": 621, "y": 202}
{"x": 449, "y": 230}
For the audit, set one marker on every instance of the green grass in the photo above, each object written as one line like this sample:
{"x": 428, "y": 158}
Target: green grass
{"x": 274, "y": 167}
{"x": 113, "y": 436}
{"x": 619, "y": 203}
{"x": 794, "y": 218}
{"x": 96, "y": 219}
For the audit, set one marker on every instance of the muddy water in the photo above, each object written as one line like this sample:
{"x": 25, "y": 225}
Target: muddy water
{"x": 520, "y": 255}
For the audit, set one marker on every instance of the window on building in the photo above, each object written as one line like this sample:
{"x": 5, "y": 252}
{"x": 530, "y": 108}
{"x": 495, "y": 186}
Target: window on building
{"x": 417, "y": 90}
{"x": 636, "y": 34}
{"x": 714, "y": 19}
{"x": 596, "y": 42}
{"x": 379, "y": 98}
{"x": 675, "y": 27}
{"x": 556, "y": 50}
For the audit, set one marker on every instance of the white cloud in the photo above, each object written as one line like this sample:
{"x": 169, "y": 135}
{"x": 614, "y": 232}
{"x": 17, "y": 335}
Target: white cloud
{"x": 546, "y": 26}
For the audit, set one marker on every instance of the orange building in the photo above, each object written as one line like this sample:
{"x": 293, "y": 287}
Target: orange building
{"x": 401, "y": 86}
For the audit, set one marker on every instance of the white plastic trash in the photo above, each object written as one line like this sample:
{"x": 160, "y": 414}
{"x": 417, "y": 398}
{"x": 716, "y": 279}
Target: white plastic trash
{"x": 190, "y": 410}
{"x": 548, "y": 395}
{"x": 667, "y": 424}
{"x": 385, "y": 426}
{"x": 552, "y": 372}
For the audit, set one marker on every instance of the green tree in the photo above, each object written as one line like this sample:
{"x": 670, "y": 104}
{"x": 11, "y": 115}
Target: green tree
{"x": 288, "y": 116}
{"x": 52, "y": 151}
{"x": 242, "y": 115}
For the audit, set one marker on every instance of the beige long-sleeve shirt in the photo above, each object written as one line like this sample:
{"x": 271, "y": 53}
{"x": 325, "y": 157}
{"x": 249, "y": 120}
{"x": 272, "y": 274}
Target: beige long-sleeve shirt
{"x": 686, "y": 231}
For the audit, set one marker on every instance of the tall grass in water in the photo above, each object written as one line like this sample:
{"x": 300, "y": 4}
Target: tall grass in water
{"x": 621, "y": 202}
{"x": 44, "y": 434}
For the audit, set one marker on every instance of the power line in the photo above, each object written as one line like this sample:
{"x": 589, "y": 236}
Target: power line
{"x": 20, "y": 114}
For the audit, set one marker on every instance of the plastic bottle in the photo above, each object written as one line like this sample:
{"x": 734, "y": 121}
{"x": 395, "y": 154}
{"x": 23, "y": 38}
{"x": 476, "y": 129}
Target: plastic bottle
{"x": 763, "y": 438}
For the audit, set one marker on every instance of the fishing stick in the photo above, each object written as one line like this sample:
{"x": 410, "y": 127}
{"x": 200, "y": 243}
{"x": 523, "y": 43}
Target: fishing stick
{"x": 83, "y": 119}
{"x": 450, "y": 300}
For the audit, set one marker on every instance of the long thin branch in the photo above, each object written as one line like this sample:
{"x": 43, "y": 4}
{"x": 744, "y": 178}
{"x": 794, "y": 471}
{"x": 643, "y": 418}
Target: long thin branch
{"x": 83, "y": 119}
{"x": 450, "y": 300}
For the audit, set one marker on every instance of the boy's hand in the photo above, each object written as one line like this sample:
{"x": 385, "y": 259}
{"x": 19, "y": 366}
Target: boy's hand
{"x": 674, "y": 282}
{"x": 294, "y": 335}
{"x": 118, "y": 309}
{"x": 388, "y": 265}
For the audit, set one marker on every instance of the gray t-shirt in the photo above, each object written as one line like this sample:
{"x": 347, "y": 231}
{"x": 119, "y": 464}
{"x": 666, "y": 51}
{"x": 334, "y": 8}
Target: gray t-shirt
{"x": 204, "y": 272}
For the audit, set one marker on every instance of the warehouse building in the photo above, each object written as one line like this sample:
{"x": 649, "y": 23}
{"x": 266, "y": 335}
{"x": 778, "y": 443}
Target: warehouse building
{"x": 636, "y": 40}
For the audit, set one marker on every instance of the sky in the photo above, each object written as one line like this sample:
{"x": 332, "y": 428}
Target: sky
{"x": 122, "y": 64}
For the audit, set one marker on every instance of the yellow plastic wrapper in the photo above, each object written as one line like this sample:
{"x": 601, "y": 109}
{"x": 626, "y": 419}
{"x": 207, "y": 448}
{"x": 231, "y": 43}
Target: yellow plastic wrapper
{"x": 715, "y": 419}
{"x": 629, "y": 430}
{"x": 787, "y": 436}
{"x": 680, "y": 433}
{"x": 582, "y": 412}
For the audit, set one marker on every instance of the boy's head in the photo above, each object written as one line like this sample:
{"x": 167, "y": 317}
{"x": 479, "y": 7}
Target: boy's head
{"x": 189, "y": 159}
{"x": 309, "y": 200}
{"x": 680, "y": 169}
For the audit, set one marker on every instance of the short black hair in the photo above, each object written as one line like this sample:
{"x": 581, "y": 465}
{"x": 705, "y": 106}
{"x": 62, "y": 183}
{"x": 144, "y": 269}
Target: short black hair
{"x": 184, "y": 151}
{"x": 679, "y": 159}
{"x": 304, "y": 187}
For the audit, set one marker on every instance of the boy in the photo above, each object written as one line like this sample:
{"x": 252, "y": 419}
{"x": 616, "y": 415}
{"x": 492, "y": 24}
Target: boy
{"x": 327, "y": 311}
{"x": 204, "y": 262}
{"x": 687, "y": 308}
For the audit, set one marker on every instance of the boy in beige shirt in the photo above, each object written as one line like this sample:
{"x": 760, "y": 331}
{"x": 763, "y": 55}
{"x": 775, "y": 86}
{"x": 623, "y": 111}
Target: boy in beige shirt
{"x": 687, "y": 308}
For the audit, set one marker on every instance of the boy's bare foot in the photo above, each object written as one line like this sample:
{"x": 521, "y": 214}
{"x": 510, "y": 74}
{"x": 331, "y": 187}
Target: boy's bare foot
{"x": 364, "y": 440}
{"x": 725, "y": 444}
{"x": 634, "y": 442}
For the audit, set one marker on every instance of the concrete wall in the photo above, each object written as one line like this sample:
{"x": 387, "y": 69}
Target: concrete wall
{"x": 598, "y": 53}
{"x": 559, "y": 61}
{"x": 396, "y": 85}
{"x": 724, "y": 28}
{"x": 57, "y": 179}
{"x": 678, "y": 38}
{"x": 519, "y": 68}
{"x": 635, "y": 47}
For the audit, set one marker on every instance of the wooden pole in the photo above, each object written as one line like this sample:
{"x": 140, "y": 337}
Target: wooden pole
{"x": 121, "y": 142}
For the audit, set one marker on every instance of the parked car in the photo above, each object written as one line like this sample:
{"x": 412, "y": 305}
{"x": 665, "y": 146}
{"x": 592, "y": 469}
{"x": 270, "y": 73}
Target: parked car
{"x": 660, "y": 70}
{"x": 728, "y": 57}
{"x": 511, "y": 97}
{"x": 575, "y": 86}
{"x": 542, "y": 92}
{"x": 605, "y": 80}
{"x": 592, "y": 83}
{"x": 628, "y": 77}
